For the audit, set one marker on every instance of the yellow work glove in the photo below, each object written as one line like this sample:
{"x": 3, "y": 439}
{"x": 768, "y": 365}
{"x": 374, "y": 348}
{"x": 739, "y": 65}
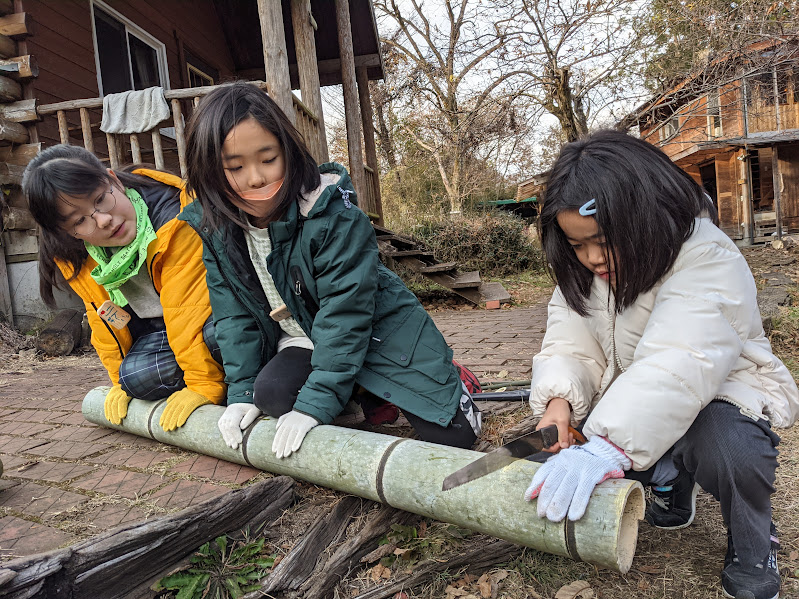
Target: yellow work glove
{"x": 116, "y": 405}
{"x": 179, "y": 407}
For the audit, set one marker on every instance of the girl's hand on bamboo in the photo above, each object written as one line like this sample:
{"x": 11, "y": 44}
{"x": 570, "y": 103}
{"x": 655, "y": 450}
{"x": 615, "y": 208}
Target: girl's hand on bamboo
{"x": 559, "y": 413}
{"x": 237, "y": 417}
{"x": 116, "y": 405}
{"x": 179, "y": 407}
{"x": 291, "y": 430}
{"x": 565, "y": 482}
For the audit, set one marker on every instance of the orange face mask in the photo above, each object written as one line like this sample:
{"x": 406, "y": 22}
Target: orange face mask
{"x": 262, "y": 193}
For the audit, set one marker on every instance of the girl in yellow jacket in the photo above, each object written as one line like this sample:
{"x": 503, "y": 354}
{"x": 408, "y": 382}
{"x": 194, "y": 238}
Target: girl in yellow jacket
{"x": 115, "y": 238}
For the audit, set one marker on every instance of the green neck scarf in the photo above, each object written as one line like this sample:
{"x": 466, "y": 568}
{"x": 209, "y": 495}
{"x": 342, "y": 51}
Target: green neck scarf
{"x": 124, "y": 264}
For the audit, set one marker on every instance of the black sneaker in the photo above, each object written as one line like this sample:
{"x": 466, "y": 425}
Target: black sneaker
{"x": 674, "y": 504}
{"x": 759, "y": 582}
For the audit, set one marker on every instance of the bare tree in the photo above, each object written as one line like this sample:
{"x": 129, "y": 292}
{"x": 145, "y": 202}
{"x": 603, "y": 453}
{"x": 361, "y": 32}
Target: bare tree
{"x": 455, "y": 54}
{"x": 582, "y": 57}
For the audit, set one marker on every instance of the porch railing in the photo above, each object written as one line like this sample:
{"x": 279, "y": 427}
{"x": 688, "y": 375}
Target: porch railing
{"x": 167, "y": 138}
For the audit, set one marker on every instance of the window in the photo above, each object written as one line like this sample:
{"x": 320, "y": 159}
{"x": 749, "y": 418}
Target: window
{"x": 669, "y": 128}
{"x": 713, "y": 115}
{"x": 127, "y": 57}
{"x": 200, "y": 73}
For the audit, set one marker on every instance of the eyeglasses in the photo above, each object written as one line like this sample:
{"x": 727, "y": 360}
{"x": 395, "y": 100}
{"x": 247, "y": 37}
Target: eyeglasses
{"x": 86, "y": 225}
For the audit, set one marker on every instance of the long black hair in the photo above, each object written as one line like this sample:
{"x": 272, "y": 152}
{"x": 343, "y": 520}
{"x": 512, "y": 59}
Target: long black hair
{"x": 65, "y": 170}
{"x": 645, "y": 208}
{"x": 215, "y": 116}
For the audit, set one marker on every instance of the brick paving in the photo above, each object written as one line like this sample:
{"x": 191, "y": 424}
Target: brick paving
{"x": 65, "y": 479}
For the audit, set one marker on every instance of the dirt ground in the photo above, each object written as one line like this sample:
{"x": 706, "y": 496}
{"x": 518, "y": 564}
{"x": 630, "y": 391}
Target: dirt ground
{"x": 668, "y": 565}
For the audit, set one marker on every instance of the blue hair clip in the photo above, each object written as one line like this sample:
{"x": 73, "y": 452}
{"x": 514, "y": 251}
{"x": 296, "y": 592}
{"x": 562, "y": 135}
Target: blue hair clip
{"x": 588, "y": 208}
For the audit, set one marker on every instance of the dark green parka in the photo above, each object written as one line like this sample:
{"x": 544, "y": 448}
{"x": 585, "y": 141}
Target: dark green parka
{"x": 366, "y": 326}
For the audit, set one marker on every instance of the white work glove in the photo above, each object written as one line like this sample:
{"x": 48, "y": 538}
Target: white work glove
{"x": 291, "y": 430}
{"x": 236, "y": 418}
{"x": 565, "y": 482}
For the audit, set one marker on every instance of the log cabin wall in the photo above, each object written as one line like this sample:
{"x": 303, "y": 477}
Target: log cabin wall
{"x": 64, "y": 47}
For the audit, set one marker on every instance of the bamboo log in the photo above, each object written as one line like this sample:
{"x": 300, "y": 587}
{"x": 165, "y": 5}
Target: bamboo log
{"x": 158, "y": 150}
{"x": 111, "y": 564}
{"x": 180, "y": 135}
{"x": 408, "y": 474}
{"x": 86, "y": 129}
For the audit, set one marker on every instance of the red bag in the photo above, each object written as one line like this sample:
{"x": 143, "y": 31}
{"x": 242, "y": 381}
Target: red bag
{"x": 468, "y": 377}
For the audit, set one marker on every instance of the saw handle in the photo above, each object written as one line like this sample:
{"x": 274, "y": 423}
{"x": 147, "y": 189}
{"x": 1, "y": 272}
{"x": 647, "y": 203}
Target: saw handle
{"x": 579, "y": 438}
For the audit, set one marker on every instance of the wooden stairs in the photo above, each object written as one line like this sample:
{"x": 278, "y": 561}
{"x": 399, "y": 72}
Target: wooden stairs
{"x": 468, "y": 285}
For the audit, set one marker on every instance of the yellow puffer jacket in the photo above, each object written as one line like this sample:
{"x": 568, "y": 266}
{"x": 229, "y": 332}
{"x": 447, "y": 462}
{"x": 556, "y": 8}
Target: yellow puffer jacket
{"x": 174, "y": 261}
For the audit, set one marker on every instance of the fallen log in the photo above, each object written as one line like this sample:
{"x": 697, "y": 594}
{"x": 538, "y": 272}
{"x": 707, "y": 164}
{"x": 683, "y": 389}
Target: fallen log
{"x": 477, "y": 559}
{"x": 408, "y": 475}
{"x": 325, "y": 577}
{"x": 62, "y": 335}
{"x": 295, "y": 568}
{"x": 105, "y": 565}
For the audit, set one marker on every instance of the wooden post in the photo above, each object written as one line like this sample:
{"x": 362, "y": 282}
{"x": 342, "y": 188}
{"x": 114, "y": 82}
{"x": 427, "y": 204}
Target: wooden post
{"x": 369, "y": 136}
{"x": 351, "y": 112}
{"x": 113, "y": 156}
{"x": 308, "y": 72}
{"x": 776, "y": 178}
{"x": 63, "y": 130}
{"x": 5, "y": 290}
{"x": 135, "y": 148}
{"x": 86, "y": 129}
{"x": 276, "y": 62}
{"x": 180, "y": 135}
{"x": 158, "y": 151}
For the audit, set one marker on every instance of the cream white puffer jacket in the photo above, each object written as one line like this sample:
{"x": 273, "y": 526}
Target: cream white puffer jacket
{"x": 696, "y": 336}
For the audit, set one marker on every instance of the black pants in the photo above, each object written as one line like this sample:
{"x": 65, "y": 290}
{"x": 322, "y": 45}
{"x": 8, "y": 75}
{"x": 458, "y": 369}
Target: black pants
{"x": 280, "y": 380}
{"x": 734, "y": 458}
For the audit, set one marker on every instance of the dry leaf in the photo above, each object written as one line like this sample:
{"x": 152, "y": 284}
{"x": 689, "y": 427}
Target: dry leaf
{"x": 452, "y": 591}
{"x": 379, "y": 571}
{"x": 643, "y": 585}
{"x": 386, "y": 573}
{"x": 499, "y": 575}
{"x": 399, "y": 551}
{"x": 401, "y": 595}
{"x": 502, "y": 374}
{"x": 484, "y": 586}
{"x": 793, "y": 556}
{"x": 579, "y": 589}
{"x": 468, "y": 579}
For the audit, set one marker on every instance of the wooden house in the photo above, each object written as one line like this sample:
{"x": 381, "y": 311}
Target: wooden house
{"x": 735, "y": 130}
{"x": 58, "y": 58}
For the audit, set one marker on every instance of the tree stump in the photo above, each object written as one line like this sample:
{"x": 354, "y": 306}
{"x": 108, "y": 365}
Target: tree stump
{"x": 62, "y": 335}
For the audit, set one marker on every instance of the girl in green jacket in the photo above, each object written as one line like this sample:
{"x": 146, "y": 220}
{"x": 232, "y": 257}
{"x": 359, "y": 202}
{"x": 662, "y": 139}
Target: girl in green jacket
{"x": 304, "y": 311}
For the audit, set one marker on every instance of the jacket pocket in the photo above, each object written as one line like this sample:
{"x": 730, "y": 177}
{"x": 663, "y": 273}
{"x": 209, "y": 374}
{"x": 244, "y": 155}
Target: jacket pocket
{"x": 403, "y": 348}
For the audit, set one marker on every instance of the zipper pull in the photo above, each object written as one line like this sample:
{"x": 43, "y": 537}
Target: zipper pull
{"x": 297, "y": 288}
{"x": 345, "y": 195}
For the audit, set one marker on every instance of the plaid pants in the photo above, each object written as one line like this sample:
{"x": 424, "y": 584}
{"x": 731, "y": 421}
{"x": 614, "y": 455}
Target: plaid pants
{"x": 150, "y": 370}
